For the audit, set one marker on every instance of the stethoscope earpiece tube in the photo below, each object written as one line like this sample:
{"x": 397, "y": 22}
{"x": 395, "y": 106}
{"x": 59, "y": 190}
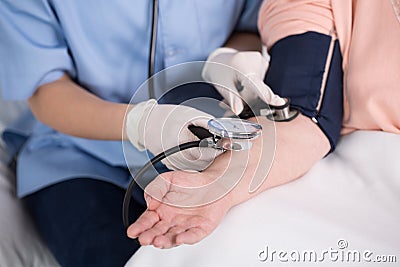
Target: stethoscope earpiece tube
{"x": 152, "y": 52}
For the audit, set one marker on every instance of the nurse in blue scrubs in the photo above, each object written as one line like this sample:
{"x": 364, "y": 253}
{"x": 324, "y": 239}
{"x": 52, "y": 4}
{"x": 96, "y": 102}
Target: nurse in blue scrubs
{"x": 79, "y": 63}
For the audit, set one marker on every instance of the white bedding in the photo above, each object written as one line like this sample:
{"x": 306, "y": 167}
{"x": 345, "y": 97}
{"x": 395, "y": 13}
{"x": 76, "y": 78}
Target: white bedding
{"x": 20, "y": 244}
{"x": 354, "y": 195}
{"x": 351, "y": 197}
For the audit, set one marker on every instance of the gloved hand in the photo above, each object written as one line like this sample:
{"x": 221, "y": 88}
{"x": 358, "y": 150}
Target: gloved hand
{"x": 227, "y": 69}
{"x": 159, "y": 127}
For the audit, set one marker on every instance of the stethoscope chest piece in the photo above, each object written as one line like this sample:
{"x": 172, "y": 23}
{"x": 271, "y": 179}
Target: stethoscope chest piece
{"x": 280, "y": 113}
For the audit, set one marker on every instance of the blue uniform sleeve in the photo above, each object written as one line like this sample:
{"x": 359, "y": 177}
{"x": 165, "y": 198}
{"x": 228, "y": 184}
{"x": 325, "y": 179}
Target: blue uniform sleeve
{"x": 249, "y": 16}
{"x": 33, "y": 50}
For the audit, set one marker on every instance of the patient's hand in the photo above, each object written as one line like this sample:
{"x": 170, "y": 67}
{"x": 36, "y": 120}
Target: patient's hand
{"x": 186, "y": 207}
{"x": 175, "y": 215}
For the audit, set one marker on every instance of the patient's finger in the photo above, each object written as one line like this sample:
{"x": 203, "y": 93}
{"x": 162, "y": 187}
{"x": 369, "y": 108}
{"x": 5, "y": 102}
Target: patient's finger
{"x": 162, "y": 242}
{"x": 147, "y": 237}
{"x": 152, "y": 204}
{"x": 169, "y": 238}
{"x": 173, "y": 231}
{"x": 191, "y": 236}
{"x": 145, "y": 221}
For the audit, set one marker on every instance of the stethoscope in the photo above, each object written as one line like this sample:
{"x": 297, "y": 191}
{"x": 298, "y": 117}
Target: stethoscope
{"x": 152, "y": 52}
{"x": 224, "y": 134}
{"x": 234, "y": 134}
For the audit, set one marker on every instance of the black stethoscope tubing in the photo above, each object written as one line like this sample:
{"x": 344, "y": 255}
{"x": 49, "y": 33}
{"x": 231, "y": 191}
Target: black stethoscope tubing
{"x": 152, "y": 52}
{"x": 139, "y": 174}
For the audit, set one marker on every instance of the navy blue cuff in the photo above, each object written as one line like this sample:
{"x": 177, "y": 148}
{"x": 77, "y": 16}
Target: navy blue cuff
{"x": 296, "y": 71}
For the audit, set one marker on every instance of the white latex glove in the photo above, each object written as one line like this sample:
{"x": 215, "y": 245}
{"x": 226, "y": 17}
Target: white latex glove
{"x": 227, "y": 69}
{"x": 159, "y": 127}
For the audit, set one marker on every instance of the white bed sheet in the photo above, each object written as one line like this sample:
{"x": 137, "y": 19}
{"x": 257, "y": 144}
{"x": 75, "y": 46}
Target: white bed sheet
{"x": 351, "y": 195}
{"x": 20, "y": 245}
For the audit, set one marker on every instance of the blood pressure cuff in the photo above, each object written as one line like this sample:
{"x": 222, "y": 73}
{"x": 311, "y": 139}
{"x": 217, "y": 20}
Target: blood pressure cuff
{"x": 296, "y": 71}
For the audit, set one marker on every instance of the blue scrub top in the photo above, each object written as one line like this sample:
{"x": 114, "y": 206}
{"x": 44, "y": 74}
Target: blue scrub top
{"x": 103, "y": 45}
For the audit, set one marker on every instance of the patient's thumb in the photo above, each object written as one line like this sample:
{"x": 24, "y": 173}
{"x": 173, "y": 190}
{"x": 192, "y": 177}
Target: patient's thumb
{"x": 148, "y": 200}
{"x": 155, "y": 192}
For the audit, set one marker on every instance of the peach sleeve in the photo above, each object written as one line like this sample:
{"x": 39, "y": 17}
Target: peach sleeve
{"x": 372, "y": 95}
{"x": 369, "y": 36}
{"x": 281, "y": 18}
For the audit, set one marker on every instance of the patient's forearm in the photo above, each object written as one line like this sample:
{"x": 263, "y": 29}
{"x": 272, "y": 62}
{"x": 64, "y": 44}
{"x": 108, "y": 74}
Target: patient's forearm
{"x": 68, "y": 108}
{"x": 299, "y": 144}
